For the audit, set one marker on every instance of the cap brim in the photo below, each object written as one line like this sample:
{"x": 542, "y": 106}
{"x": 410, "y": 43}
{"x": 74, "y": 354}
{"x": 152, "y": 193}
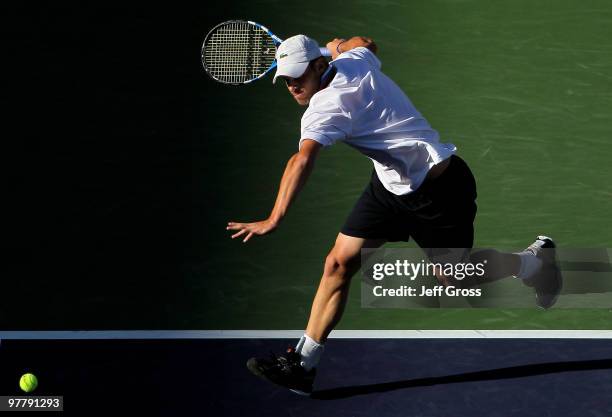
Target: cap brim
{"x": 290, "y": 70}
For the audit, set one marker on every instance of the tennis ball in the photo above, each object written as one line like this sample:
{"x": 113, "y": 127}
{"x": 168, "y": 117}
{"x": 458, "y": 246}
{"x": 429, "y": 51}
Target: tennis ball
{"x": 28, "y": 382}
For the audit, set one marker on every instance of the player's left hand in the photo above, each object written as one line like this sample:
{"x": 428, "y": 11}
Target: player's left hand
{"x": 261, "y": 228}
{"x": 332, "y": 46}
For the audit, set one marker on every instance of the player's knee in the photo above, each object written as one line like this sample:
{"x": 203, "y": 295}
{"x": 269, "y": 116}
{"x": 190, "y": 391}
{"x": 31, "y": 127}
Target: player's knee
{"x": 338, "y": 267}
{"x": 334, "y": 265}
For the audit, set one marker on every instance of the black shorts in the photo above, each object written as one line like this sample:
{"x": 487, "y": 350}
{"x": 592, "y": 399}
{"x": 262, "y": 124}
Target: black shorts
{"x": 439, "y": 214}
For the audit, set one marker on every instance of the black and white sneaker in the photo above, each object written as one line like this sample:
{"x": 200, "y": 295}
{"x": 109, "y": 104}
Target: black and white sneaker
{"x": 285, "y": 370}
{"x": 548, "y": 280}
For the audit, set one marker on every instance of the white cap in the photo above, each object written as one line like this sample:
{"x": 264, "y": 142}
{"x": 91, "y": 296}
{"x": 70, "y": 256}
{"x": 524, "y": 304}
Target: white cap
{"x": 293, "y": 56}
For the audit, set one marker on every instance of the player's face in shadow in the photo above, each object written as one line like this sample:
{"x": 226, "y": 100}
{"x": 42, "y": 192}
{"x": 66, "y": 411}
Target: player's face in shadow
{"x": 303, "y": 88}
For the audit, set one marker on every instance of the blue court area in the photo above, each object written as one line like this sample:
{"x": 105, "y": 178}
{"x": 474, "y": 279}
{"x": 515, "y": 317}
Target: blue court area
{"x": 357, "y": 377}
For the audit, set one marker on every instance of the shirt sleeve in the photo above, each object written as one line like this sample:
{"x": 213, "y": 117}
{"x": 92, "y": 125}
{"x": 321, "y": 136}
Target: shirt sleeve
{"x": 326, "y": 123}
{"x": 362, "y": 53}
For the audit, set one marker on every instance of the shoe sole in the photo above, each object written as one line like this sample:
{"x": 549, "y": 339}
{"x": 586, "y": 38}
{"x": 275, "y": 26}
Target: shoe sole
{"x": 298, "y": 392}
{"x": 552, "y": 260}
{"x": 255, "y": 370}
{"x": 558, "y": 278}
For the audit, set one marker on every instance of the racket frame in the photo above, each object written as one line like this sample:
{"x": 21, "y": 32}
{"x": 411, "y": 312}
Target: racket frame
{"x": 277, "y": 41}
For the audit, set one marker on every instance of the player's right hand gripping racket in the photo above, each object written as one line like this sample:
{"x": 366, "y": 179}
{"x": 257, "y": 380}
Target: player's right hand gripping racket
{"x": 240, "y": 52}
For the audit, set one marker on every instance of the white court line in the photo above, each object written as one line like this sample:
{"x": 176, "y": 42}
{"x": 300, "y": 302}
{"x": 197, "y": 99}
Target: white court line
{"x": 295, "y": 334}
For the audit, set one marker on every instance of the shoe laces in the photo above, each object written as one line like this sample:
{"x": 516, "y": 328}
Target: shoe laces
{"x": 285, "y": 363}
{"x": 535, "y": 247}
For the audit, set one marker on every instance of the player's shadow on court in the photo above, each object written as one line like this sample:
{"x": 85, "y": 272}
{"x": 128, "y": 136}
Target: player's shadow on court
{"x": 486, "y": 375}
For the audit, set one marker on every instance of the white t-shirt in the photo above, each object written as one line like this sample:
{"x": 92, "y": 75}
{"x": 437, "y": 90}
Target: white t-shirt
{"x": 365, "y": 109}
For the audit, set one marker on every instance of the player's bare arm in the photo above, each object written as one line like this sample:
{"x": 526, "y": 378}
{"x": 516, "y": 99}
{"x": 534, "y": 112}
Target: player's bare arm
{"x": 297, "y": 171}
{"x": 339, "y": 45}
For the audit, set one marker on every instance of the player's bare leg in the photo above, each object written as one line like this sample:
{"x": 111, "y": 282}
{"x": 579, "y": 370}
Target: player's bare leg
{"x": 340, "y": 265}
{"x": 296, "y": 369}
{"x": 498, "y": 264}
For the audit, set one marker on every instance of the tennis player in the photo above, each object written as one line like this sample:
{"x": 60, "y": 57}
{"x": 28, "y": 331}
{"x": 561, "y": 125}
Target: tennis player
{"x": 419, "y": 188}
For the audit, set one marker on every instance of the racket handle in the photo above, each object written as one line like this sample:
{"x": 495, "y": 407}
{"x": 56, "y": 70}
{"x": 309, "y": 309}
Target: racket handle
{"x": 325, "y": 52}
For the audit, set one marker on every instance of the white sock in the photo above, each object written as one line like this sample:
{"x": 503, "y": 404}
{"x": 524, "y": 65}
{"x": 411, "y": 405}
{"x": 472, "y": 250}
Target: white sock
{"x": 310, "y": 351}
{"x": 530, "y": 264}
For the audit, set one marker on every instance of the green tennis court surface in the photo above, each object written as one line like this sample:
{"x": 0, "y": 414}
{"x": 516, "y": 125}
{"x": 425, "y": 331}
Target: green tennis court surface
{"x": 120, "y": 221}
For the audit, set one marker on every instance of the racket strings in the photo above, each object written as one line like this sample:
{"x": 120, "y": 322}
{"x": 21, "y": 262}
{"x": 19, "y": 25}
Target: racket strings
{"x": 238, "y": 52}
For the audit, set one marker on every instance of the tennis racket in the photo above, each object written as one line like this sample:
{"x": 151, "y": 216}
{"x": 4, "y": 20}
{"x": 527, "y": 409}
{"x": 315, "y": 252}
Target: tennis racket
{"x": 240, "y": 52}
